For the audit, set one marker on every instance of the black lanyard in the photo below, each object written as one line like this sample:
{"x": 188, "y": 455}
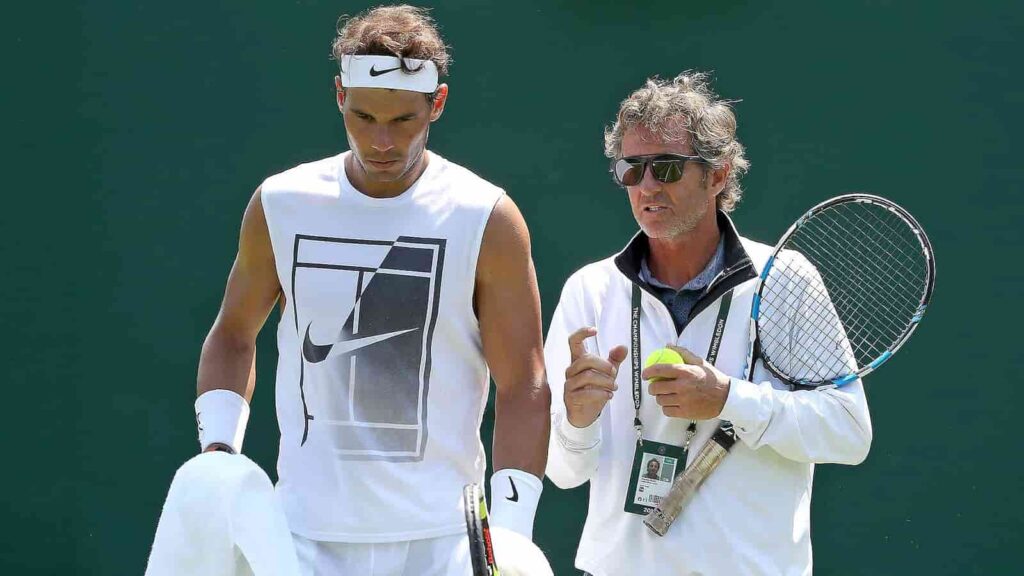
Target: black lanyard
{"x": 712, "y": 357}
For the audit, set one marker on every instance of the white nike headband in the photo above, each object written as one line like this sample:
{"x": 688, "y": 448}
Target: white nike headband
{"x": 365, "y": 71}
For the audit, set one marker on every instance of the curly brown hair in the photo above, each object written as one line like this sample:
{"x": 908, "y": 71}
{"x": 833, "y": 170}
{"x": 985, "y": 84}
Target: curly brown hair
{"x": 709, "y": 124}
{"x": 403, "y": 31}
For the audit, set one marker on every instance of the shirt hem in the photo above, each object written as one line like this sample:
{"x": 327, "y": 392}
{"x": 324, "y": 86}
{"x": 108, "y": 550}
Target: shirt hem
{"x": 364, "y": 538}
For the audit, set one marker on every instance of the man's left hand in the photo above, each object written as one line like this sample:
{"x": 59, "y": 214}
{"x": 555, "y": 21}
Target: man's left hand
{"x": 694, "y": 391}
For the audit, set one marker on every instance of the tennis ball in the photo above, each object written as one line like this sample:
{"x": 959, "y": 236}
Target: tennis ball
{"x": 663, "y": 356}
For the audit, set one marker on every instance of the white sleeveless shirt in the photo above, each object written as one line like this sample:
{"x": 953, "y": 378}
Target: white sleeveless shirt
{"x": 381, "y": 380}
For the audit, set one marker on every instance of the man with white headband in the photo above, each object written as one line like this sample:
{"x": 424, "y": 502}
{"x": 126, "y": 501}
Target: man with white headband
{"x": 404, "y": 281}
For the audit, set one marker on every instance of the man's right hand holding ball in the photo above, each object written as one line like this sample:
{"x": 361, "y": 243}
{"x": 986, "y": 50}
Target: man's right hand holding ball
{"x": 589, "y": 379}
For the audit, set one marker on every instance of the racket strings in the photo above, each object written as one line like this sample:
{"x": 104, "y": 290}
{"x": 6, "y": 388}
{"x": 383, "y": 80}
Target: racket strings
{"x": 891, "y": 237}
{"x": 863, "y": 255}
{"x": 873, "y": 282}
{"x": 789, "y": 325}
{"x": 906, "y": 262}
{"x": 873, "y": 294}
{"x": 846, "y": 293}
{"x": 843, "y": 290}
{"x": 867, "y": 257}
{"x": 862, "y": 303}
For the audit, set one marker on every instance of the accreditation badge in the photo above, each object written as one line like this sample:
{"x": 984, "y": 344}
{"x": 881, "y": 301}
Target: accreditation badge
{"x": 655, "y": 466}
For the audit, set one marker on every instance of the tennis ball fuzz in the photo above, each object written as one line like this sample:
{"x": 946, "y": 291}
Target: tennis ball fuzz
{"x": 663, "y": 356}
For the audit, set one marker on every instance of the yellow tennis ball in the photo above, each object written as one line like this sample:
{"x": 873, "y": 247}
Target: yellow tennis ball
{"x": 663, "y": 356}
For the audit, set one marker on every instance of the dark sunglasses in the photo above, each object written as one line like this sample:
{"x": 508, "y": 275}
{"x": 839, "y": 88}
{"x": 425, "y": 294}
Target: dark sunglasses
{"x": 666, "y": 168}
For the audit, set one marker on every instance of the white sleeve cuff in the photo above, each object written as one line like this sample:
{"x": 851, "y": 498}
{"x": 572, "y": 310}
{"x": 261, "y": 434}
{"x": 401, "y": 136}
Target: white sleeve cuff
{"x": 748, "y": 407}
{"x": 578, "y": 439}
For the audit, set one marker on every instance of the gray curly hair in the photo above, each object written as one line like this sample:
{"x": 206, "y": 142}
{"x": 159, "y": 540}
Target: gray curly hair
{"x": 708, "y": 121}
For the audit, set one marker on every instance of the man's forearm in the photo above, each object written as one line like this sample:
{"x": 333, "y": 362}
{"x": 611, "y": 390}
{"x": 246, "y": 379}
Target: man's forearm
{"x": 225, "y": 385}
{"x": 522, "y": 424}
{"x": 521, "y": 428}
{"x": 227, "y": 364}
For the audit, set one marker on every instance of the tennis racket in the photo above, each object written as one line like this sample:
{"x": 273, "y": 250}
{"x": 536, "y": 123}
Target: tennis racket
{"x": 844, "y": 288}
{"x": 481, "y": 551}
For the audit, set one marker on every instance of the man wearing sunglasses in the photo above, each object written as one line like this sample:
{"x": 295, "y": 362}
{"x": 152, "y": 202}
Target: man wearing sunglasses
{"x": 686, "y": 280}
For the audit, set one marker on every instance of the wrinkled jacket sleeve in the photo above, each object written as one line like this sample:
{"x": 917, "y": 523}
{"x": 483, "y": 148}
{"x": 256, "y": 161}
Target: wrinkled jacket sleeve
{"x": 572, "y": 452}
{"x": 819, "y": 426}
{"x": 829, "y": 425}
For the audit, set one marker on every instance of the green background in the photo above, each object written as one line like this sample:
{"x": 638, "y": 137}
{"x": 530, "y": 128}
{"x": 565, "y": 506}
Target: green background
{"x": 134, "y": 133}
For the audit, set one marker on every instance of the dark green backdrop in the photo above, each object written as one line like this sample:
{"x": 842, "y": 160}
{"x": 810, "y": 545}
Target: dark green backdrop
{"x": 134, "y": 133}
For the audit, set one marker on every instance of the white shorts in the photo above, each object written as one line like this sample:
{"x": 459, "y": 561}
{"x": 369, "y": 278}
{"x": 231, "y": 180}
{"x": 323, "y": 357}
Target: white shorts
{"x": 442, "y": 556}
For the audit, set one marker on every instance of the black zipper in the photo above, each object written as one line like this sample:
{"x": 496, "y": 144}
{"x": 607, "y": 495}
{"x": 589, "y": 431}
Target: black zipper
{"x": 726, "y": 280}
{"x": 722, "y": 284}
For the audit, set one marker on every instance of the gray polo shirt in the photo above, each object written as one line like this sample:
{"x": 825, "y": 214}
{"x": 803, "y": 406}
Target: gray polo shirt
{"x": 680, "y": 302}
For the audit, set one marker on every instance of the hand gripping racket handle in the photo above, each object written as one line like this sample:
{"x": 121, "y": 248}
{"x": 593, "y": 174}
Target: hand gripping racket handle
{"x": 687, "y": 483}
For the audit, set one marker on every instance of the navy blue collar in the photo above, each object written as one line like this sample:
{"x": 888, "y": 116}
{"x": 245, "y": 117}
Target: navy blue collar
{"x": 737, "y": 266}
{"x": 696, "y": 284}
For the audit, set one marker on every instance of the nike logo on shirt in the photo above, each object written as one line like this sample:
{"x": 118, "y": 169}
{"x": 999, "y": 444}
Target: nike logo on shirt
{"x": 314, "y": 353}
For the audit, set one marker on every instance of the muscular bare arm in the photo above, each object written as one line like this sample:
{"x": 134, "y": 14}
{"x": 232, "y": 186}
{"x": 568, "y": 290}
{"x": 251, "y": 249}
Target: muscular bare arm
{"x": 228, "y": 359}
{"x": 508, "y": 306}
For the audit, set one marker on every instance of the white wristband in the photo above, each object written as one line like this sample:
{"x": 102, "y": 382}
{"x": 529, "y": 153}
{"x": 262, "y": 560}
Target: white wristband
{"x": 221, "y": 416}
{"x": 514, "y": 498}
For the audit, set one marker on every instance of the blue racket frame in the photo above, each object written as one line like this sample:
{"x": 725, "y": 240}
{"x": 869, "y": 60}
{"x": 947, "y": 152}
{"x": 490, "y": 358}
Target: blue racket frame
{"x": 926, "y": 248}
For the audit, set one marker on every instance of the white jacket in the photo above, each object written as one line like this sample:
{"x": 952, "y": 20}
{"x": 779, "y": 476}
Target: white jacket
{"x": 752, "y": 516}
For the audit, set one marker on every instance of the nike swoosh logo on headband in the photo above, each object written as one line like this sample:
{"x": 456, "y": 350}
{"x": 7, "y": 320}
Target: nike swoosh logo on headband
{"x": 374, "y": 72}
{"x": 314, "y": 353}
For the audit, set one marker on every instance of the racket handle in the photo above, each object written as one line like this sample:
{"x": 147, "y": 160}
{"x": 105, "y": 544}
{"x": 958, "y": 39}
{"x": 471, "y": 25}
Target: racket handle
{"x": 687, "y": 483}
{"x": 481, "y": 550}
